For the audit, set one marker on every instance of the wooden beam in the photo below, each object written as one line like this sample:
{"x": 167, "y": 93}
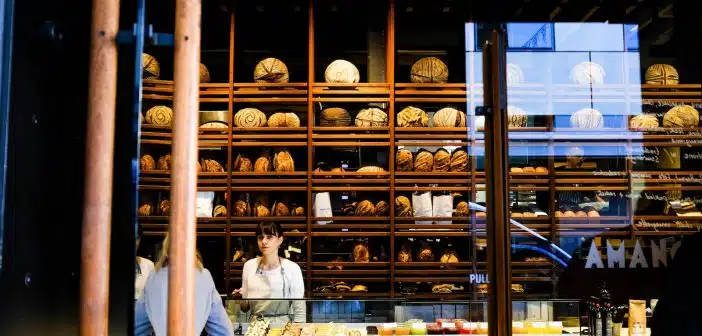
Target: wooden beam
{"x": 97, "y": 202}
{"x": 186, "y": 77}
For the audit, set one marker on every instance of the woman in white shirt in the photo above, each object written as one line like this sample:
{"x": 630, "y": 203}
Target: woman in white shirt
{"x": 271, "y": 276}
{"x": 144, "y": 268}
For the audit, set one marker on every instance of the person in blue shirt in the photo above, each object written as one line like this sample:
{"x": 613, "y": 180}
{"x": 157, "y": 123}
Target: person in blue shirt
{"x": 151, "y": 310}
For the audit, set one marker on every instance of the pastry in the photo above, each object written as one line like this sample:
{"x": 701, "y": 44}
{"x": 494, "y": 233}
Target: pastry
{"x": 516, "y": 117}
{"x": 271, "y": 70}
{"x": 404, "y": 160}
{"x": 569, "y": 213}
{"x": 515, "y": 75}
{"x": 644, "y": 121}
{"x": 681, "y": 116}
{"x": 147, "y": 163}
{"x": 145, "y": 210}
{"x": 441, "y": 289}
{"x": 587, "y": 73}
{"x": 283, "y": 161}
{"x": 580, "y": 213}
{"x": 365, "y": 208}
{"x": 284, "y": 119}
{"x": 250, "y": 117}
{"x": 529, "y": 170}
{"x": 442, "y": 160}
{"x": 462, "y": 209}
{"x": 541, "y": 170}
{"x": 334, "y": 116}
{"x": 429, "y": 70}
{"x": 241, "y": 209}
{"x": 516, "y": 170}
{"x": 459, "y": 161}
{"x": 159, "y": 115}
{"x": 263, "y": 164}
{"x": 382, "y": 208}
{"x": 260, "y": 210}
{"x": 164, "y": 162}
{"x": 424, "y": 161}
{"x": 299, "y": 211}
{"x": 342, "y": 287}
{"x": 164, "y": 207}
{"x": 280, "y": 209}
{"x": 360, "y": 253}
{"x": 426, "y": 254}
{"x": 587, "y": 118}
{"x": 370, "y": 169}
{"x": 341, "y": 71}
{"x": 371, "y": 117}
{"x": 404, "y": 256}
{"x": 150, "y": 66}
{"x": 412, "y": 117}
{"x": 558, "y": 213}
{"x": 204, "y": 74}
{"x": 242, "y": 164}
{"x": 359, "y": 288}
{"x": 449, "y": 117}
{"x": 449, "y": 257}
{"x": 662, "y": 74}
{"x": 403, "y": 207}
{"x": 219, "y": 211}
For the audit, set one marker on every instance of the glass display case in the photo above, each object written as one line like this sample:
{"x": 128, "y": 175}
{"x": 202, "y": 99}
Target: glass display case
{"x": 405, "y": 317}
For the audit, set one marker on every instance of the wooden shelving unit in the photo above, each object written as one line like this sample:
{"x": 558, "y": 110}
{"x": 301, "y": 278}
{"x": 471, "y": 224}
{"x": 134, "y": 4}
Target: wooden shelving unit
{"x": 305, "y": 181}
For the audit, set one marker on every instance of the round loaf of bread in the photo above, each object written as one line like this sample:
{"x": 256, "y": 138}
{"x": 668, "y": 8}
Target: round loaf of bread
{"x": 442, "y": 159}
{"x": 403, "y": 207}
{"x": 151, "y": 68}
{"x": 404, "y": 160}
{"x": 283, "y": 161}
{"x": 371, "y": 117}
{"x": 341, "y": 71}
{"x": 382, "y": 208}
{"x": 159, "y": 115}
{"x": 260, "y": 210}
{"x": 515, "y": 75}
{"x": 334, "y": 117}
{"x": 284, "y": 119}
{"x": 449, "y": 117}
{"x": 424, "y": 161}
{"x": 662, "y": 74}
{"x": 462, "y": 209}
{"x": 411, "y": 116}
{"x": 365, "y": 209}
{"x": 587, "y": 73}
{"x": 281, "y": 209}
{"x": 164, "y": 162}
{"x": 683, "y": 116}
{"x": 459, "y": 161}
{"x": 147, "y": 163}
{"x": 370, "y": 169}
{"x": 299, "y": 211}
{"x": 263, "y": 164}
{"x": 429, "y": 70}
{"x": 219, "y": 211}
{"x": 145, "y": 209}
{"x": 516, "y": 117}
{"x": 164, "y": 207}
{"x": 241, "y": 209}
{"x": 211, "y": 166}
{"x": 644, "y": 121}
{"x": 587, "y": 118}
{"x": 271, "y": 70}
{"x": 242, "y": 164}
{"x": 204, "y": 74}
{"x": 250, "y": 117}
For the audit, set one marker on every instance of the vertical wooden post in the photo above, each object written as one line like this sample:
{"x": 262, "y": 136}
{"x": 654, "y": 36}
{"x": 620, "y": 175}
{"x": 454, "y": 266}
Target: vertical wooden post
{"x": 97, "y": 202}
{"x": 310, "y": 134}
{"x": 186, "y": 74}
{"x": 390, "y": 79}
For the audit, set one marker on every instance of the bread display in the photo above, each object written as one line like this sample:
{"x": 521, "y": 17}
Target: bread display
{"x": 662, "y": 74}
{"x": 403, "y": 207}
{"x": 587, "y": 73}
{"x": 587, "y": 118}
{"x": 151, "y": 68}
{"x": 404, "y": 160}
{"x": 284, "y": 119}
{"x": 442, "y": 160}
{"x": 644, "y": 121}
{"x": 159, "y": 115}
{"x": 682, "y": 116}
{"x": 283, "y": 161}
{"x": 147, "y": 163}
{"x": 341, "y": 71}
{"x": 271, "y": 70}
{"x": 412, "y": 117}
{"x": 449, "y": 117}
{"x": 371, "y": 117}
{"x": 250, "y": 117}
{"x": 334, "y": 117}
{"x": 459, "y": 161}
{"x": 423, "y": 161}
{"x": 429, "y": 70}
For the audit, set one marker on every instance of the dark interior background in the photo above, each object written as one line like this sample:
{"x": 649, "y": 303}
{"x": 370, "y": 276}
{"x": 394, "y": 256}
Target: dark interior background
{"x": 39, "y": 279}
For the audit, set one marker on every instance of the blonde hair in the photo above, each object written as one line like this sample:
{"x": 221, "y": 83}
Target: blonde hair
{"x": 163, "y": 256}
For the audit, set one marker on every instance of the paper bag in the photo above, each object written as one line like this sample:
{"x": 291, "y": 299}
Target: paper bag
{"x": 421, "y": 205}
{"x": 321, "y": 206}
{"x": 442, "y": 207}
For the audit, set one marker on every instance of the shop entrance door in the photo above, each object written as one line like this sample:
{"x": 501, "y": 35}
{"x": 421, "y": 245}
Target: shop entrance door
{"x": 598, "y": 103}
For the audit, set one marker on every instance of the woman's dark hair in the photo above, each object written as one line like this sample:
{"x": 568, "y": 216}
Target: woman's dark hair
{"x": 269, "y": 228}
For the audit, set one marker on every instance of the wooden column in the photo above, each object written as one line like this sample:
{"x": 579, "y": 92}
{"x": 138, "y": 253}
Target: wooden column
{"x": 390, "y": 79}
{"x": 97, "y": 202}
{"x": 186, "y": 75}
